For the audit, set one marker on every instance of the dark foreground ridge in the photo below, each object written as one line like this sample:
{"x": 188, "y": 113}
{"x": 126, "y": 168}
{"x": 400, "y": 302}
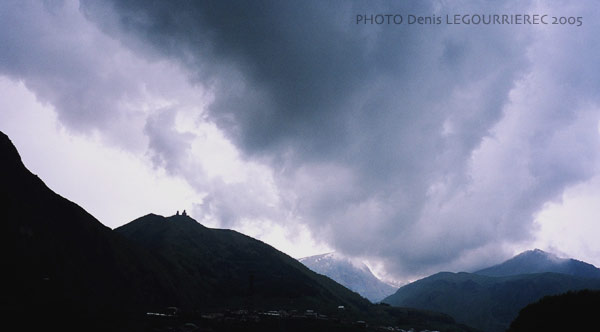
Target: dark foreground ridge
{"x": 61, "y": 262}
{"x": 64, "y": 270}
{"x": 573, "y": 311}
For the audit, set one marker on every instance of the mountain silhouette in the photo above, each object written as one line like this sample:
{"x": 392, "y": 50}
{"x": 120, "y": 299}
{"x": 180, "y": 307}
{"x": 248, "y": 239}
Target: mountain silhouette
{"x": 536, "y": 261}
{"x": 223, "y": 268}
{"x": 59, "y": 260}
{"x": 64, "y": 270}
{"x": 490, "y": 303}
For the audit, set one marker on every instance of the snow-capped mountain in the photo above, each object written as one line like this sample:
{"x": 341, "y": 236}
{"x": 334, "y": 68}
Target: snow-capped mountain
{"x": 354, "y": 275}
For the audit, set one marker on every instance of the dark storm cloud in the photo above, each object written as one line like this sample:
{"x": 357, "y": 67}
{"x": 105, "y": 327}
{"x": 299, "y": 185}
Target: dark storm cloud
{"x": 403, "y": 143}
{"x": 303, "y": 84}
{"x": 304, "y": 77}
{"x": 282, "y": 71}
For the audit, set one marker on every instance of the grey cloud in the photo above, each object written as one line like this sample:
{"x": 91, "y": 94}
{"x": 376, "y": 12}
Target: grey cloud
{"x": 65, "y": 70}
{"x": 402, "y": 143}
{"x": 230, "y": 203}
{"x": 95, "y": 85}
{"x": 167, "y": 146}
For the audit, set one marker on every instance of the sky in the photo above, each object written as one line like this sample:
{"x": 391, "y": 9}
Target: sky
{"x": 415, "y": 147}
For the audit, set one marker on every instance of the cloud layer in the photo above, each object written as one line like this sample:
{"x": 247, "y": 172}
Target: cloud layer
{"x": 420, "y": 147}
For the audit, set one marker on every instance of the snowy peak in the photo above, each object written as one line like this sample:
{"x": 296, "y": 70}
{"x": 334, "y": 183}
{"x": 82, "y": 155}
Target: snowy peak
{"x": 539, "y": 261}
{"x": 353, "y": 274}
{"x": 330, "y": 260}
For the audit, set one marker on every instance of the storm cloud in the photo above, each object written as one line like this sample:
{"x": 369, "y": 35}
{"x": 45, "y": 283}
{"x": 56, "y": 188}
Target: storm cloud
{"x": 422, "y": 147}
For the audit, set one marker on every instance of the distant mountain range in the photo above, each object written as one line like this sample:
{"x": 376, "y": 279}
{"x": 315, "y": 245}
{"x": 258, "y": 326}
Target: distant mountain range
{"x": 491, "y": 298}
{"x": 538, "y": 261}
{"x": 63, "y": 269}
{"x": 355, "y": 276}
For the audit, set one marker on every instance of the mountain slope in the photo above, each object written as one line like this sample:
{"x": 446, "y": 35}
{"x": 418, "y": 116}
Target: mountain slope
{"x": 487, "y": 303}
{"x": 357, "y": 277}
{"x": 54, "y": 247}
{"x": 60, "y": 259}
{"x": 225, "y": 268}
{"x": 537, "y": 261}
{"x": 63, "y": 270}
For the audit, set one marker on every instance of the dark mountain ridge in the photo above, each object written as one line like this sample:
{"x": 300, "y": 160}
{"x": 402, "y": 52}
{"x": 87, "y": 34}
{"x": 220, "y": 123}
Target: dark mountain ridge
{"x": 64, "y": 270}
{"x": 54, "y": 246}
{"x": 61, "y": 260}
{"x": 224, "y": 268}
